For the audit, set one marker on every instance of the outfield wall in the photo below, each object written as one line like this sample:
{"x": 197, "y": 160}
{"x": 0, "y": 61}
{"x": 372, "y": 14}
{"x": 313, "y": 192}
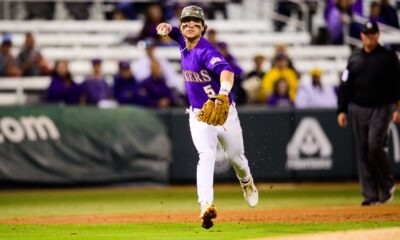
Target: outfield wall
{"x": 74, "y": 145}
{"x": 280, "y": 144}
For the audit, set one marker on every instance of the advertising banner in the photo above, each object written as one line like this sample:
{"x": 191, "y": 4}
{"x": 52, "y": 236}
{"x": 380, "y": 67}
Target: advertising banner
{"x": 52, "y": 144}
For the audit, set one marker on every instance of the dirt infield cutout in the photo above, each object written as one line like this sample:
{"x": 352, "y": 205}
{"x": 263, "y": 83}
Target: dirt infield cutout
{"x": 303, "y": 215}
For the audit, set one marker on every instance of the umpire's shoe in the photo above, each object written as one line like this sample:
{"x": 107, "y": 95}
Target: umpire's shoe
{"x": 208, "y": 213}
{"x": 387, "y": 198}
{"x": 367, "y": 203}
{"x": 250, "y": 192}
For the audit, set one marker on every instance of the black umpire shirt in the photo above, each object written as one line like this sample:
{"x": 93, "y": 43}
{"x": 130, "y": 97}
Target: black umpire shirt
{"x": 370, "y": 79}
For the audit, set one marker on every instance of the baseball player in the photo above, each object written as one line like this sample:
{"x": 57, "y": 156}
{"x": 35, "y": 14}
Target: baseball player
{"x": 213, "y": 116}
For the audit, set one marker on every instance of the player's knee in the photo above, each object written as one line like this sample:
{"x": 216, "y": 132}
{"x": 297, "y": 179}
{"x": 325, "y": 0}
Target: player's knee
{"x": 237, "y": 159}
{"x": 235, "y": 154}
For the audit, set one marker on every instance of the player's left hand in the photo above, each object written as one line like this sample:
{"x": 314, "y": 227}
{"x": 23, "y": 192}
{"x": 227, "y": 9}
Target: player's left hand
{"x": 215, "y": 110}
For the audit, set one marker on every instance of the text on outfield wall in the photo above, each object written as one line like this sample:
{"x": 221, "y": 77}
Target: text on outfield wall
{"x": 32, "y": 128}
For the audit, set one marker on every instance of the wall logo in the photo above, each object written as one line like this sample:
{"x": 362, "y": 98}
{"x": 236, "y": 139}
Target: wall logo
{"x": 31, "y": 128}
{"x": 309, "y": 148}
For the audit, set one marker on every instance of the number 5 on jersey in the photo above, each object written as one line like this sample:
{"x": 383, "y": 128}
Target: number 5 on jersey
{"x": 209, "y": 91}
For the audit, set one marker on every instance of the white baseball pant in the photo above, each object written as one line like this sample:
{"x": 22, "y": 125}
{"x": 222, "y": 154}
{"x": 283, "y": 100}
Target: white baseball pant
{"x": 205, "y": 138}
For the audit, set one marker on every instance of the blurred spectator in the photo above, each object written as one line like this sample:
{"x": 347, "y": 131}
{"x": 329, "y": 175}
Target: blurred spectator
{"x": 141, "y": 67}
{"x": 168, "y": 8}
{"x": 281, "y": 49}
{"x": 40, "y": 10}
{"x": 356, "y": 7}
{"x": 238, "y": 92}
{"x": 121, "y": 10}
{"x": 176, "y": 18}
{"x": 154, "y": 16}
{"x": 8, "y": 65}
{"x": 30, "y": 60}
{"x": 258, "y": 70}
{"x": 278, "y": 71}
{"x": 62, "y": 87}
{"x": 280, "y": 95}
{"x": 316, "y": 94}
{"x": 78, "y": 10}
{"x": 375, "y": 12}
{"x": 389, "y": 14}
{"x": 285, "y": 8}
{"x": 95, "y": 88}
{"x": 212, "y": 37}
{"x": 212, "y": 8}
{"x": 125, "y": 10}
{"x": 237, "y": 89}
{"x": 339, "y": 19}
{"x": 155, "y": 89}
{"x": 125, "y": 85}
{"x": 252, "y": 82}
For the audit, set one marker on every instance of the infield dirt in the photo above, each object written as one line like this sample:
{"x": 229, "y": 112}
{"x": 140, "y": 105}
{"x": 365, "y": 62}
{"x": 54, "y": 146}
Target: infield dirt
{"x": 303, "y": 215}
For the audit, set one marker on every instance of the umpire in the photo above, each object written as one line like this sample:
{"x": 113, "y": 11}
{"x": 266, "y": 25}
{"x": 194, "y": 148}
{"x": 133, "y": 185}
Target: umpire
{"x": 371, "y": 86}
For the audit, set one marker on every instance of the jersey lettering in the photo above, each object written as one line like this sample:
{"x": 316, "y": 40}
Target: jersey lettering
{"x": 197, "y": 77}
{"x": 205, "y": 76}
{"x": 190, "y": 76}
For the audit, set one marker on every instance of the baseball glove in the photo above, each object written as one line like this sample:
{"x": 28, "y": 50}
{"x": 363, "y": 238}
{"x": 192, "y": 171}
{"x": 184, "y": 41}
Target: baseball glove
{"x": 214, "y": 115}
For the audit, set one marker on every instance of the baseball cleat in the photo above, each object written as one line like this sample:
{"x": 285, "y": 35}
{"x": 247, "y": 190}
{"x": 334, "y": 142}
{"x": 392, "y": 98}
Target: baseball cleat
{"x": 250, "y": 192}
{"x": 208, "y": 213}
{"x": 390, "y": 196}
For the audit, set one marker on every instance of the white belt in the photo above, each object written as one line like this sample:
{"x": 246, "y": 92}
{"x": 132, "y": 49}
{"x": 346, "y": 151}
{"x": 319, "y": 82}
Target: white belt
{"x": 191, "y": 109}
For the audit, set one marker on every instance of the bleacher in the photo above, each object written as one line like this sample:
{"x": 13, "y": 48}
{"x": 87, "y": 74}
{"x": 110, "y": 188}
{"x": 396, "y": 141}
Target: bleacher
{"x": 81, "y": 41}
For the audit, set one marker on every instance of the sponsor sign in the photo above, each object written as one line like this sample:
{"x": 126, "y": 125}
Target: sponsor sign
{"x": 309, "y": 148}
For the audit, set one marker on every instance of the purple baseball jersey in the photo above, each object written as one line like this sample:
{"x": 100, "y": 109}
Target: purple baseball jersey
{"x": 201, "y": 69}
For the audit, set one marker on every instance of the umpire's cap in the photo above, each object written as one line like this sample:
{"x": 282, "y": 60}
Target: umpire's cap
{"x": 370, "y": 27}
{"x": 192, "y": 11}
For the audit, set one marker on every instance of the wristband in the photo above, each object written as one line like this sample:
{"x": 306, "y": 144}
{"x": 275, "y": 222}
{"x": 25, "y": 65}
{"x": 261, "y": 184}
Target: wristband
{"x": 225, "y": 88}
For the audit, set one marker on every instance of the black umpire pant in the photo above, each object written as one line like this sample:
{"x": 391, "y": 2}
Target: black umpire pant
{"x": 370, "y": 128}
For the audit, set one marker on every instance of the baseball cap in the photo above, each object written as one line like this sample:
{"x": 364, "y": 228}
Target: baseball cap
{"x": 316, "y": 71}
{"x": 370, "y": 27}
{"x": 124, "y": 65}
{"x": 96, "y": 61}
{"x": 192, "y": 11}
{"x": 6, "y": 39}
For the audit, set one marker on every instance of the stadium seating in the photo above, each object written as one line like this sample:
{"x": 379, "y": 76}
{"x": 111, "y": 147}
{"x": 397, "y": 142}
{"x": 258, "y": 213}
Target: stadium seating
{"x": 81, "y": 41}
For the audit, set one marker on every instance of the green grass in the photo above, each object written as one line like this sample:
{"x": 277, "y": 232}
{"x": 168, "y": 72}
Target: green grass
{"x": 173, "y": 231}
{"x": 131, "y": 200}
{"x": 165, "y": 199}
